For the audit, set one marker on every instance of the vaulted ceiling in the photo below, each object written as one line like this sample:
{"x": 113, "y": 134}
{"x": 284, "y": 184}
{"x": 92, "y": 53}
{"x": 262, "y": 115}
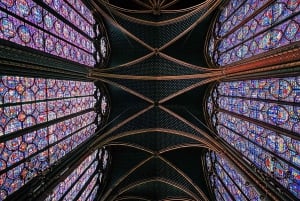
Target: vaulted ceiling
{"x": 157, "y": 81}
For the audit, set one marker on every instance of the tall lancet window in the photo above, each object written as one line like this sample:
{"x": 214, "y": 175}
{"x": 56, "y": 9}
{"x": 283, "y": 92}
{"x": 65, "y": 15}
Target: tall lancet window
{"x": 227, "y": 182}
{"x": 248, "y": 28}
{"x": 42, "y": 118}
{"x": 64, "y": 28}
{"x": 85, "y": 181}
{"x": 260, "y": 118}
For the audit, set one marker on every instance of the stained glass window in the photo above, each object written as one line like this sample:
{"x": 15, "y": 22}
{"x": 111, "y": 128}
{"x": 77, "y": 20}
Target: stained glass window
{"x": 42, "y": 120}
{"x": 63, "y": 28}
{"x": 103, "y": 47}
{"x": 247, "y": 28}
{"x": 105, "y": 158}
{"x": 227, "y": 182}
{"x": 102, "y": 103}
{"x": 102, "y": 54}
{"x": 260, "y": 118}
{"x": 83, "y": 182}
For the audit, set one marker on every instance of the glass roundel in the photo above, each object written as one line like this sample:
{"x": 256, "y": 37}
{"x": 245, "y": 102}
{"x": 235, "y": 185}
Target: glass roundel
{"x": 227, "y": 182}
{"x": 65, "y": 28}
{"x": 260, "y": 118}
{"x": 244, "y": 29}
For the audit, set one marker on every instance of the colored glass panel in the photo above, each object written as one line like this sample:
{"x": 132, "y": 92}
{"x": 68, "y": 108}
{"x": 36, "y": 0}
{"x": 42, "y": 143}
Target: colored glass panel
{"x": 15, "y": 151}
{"x": 72, "y": 15}
{"x": 63, "y": 186}
{"x": 220, "y": 189}
{"x": 104, "y": 105}
{"x": 103, "y": 47}
{"x": 257, "y": 99}
{"x": 27, "y": 103}
{"x": 71, "y": 195}
{"x": 283, "y": 116}
{"x": 232, "y": 189}
{"x": 26, "y": 23}
{"x": 93, "y": 194}
{"x": 254, "y": 27}
{"x": 286, "y": 175}
{"x": 242, "y": 184}
{"x": 227, "y": 181}
{"x": 83, "y": 182}
{"x": 32, "y": 105}
{"x": 282, "y": 89}
{"x": 84, "y": 128}
{"x": 254, "y": 117}
{"x": 82, "y": 9}
{"x": 88, "y": 188}
{"x": 105, "y": 159}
